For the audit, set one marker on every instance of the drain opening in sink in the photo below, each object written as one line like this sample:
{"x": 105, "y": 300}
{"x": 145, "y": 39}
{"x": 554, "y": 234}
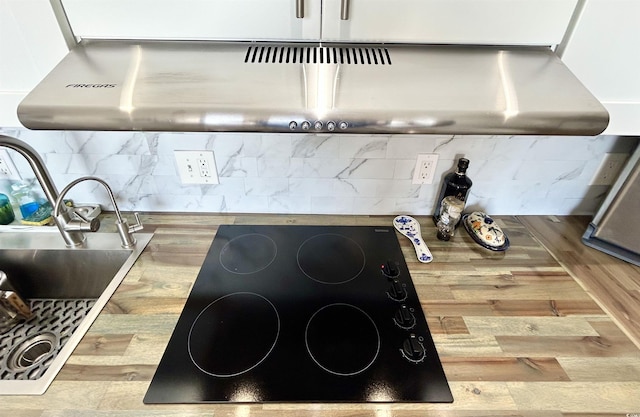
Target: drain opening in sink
{"x": 33, "y": 351}
{"x": 28, "y": 349}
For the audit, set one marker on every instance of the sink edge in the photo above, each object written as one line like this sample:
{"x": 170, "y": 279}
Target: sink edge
{"x": 40, "y": 386}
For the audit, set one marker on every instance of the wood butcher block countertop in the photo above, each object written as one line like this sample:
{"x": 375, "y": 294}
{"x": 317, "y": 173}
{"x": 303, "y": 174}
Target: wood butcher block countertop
{"x": 519, "y": 333}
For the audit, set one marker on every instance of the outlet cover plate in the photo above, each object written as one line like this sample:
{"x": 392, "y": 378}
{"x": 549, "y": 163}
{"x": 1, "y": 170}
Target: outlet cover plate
{"x": 8, "y": 170}
{"x": 196, "y": 167}
{"x": 610, "y": 167}
{"x": 425, "y": 168}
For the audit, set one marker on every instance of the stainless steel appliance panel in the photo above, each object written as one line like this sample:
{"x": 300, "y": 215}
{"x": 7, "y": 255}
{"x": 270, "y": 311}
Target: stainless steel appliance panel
{"x": 615, "y": 228}
{"x": 209, "y": 86}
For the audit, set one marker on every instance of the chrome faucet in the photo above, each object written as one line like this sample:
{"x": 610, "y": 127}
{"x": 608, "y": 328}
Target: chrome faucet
{"x": 124, "y": 230}
{"x": 72, "y": 236}
{"x": 70, "y": 223}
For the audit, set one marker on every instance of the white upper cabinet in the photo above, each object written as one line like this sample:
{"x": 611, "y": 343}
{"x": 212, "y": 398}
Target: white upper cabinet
{"x": 30, "y": 45}
{"x": 604, "y": 53}
{"x": 503, "y": 22}
{"x": 488, "y": 22}
{"x": 194, "y": 19}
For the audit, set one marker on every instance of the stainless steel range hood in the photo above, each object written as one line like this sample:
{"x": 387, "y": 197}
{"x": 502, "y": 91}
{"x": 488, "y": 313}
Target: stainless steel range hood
{"x": 267, "y": 87}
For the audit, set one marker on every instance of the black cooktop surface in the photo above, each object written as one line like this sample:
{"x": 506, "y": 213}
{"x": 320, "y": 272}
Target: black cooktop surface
{"x": 301, "y": 314}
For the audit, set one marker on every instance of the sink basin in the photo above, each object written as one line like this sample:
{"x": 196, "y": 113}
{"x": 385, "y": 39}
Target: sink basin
{"x": 66, "y": 288}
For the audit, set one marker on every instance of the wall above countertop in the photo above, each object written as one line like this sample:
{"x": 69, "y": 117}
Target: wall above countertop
{"x": 326, "y": 174}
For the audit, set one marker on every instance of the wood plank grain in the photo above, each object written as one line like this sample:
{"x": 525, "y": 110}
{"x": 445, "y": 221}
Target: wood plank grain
{"x": 460, "y": 345}
{"x": 503, "y": 369}
{"x": 614, "y": 284}
{"x": 61, "y": 395}
{"x": 530, "y": 326}
{"x": 602, "y": 369}
{"x": 573, "y": 346}
{"x": 447, "y": 325}
{"x": 110, "y": 344}
{"x": 542, "y": 308}
{"x": 73, "y": 372}
{"x": 597, "y": 397}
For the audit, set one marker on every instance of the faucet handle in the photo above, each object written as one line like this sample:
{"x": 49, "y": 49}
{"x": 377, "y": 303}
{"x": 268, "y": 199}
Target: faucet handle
{"x": 138, "y": 226}
{"x": 83, "y": 225}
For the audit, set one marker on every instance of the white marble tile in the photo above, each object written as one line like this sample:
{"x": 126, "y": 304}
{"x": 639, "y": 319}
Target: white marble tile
{"x": 355, "y": 187}
{"x": 103, "y": 164}
{"x": 481, "y": 170}
{"x": 232, "y": 186}
{"x": 161, "y": 165}
{"x": 549, "y": 171}
{"x": 349, "y": 168}
{"x": 505, "y": 148}
{"x": 397, "y": 189}
{"x": 428, "y": 192}
{"x": 404, "y": 168}
{"x": 245, "y": 204}
{"x": 55, "y": 163}
{"x": 44, "y": 141}
{"x": 279, "y": 167}
{"x": 403, "y": 147}
{"x": 237, "y": 166}
{"x": 188, "y": 203}
{"x": 297, "y": 204}
{"x": 360, "y": 147}
{"x": 570, "y": 148}
{"x": 462, "y": 146}
{"x": 266, "y": 186}
{"x": 332, "y": 205}
{"x": 413, "y": 207}
{"x": 126, "y": 143}
{"x": 579, "y": 206}
{"x": 275, "y": 146}
{"x": 315, "y": 146}
{"x": 311, "y": 187}
{"x": 171, "y": 185}
{"x": 575, "y": 189}
{"x": 373, "y": 206}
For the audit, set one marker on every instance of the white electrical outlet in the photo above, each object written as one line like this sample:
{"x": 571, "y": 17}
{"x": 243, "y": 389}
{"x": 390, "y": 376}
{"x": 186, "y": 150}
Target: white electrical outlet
{"x": 609, "y": 168}
{"x": 8, "y": 170}
{"x": 425, "y": 168}
{"x": 196, "y": 167}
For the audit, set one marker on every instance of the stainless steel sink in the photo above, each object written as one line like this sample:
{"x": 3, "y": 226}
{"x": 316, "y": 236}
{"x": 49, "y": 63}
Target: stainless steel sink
{"x": 66, "y": 289}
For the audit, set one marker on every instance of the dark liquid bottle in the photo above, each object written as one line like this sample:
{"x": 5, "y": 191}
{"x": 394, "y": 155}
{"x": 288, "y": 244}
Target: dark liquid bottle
{"x": 455, "y": 184}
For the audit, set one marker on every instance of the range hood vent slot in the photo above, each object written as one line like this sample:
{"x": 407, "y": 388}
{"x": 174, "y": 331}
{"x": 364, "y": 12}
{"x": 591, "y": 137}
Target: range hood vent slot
{"x": 275, "y": 54}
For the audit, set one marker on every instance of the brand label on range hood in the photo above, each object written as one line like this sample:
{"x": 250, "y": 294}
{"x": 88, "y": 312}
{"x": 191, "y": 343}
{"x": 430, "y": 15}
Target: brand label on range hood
{"x": 212, "y": 86}
{"x": 91, "y": 85}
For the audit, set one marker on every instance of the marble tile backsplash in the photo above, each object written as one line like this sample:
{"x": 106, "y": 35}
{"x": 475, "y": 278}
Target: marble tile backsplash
{"x": 325, "y": 174}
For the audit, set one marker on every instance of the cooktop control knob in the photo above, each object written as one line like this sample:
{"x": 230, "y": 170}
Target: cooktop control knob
{"x": 318, "y": 125}
{"x": 404, "y": 318}
{"x": 293, "y": 126}
{"x": 331, "y": 126}
{"x": 390, "y": 269}
{"x": 305, "y": 125}
{"x": 413, "y": 350}
{"x": 397, "y": 291}
{"x": 343, "y": 125}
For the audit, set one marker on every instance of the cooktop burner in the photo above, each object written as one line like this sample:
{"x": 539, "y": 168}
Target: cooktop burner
{"x": 301, "y": 314}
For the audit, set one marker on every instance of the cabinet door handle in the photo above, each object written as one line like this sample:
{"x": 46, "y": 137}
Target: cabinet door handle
{"x": 344, "y": 9}
{"x": 300, "y": 9}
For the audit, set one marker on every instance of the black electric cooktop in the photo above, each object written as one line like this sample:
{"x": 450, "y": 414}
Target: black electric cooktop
{"x": 301, "y": 314}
